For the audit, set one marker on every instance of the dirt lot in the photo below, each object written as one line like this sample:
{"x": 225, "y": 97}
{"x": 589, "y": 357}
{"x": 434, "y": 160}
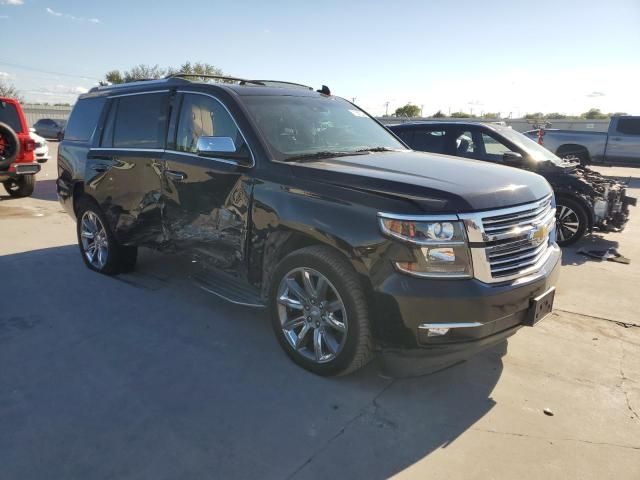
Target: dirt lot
{"x": 144, "y": 376}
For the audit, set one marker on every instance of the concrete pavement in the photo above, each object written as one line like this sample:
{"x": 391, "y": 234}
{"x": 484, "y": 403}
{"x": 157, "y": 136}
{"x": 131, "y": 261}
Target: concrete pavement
{"x": 144, "y": 376}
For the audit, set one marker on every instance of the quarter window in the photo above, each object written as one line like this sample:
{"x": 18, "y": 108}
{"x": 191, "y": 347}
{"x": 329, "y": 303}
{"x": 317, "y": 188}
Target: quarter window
{"x": 83, "y": 120}
{"x": 204, "y": 116}
{"x": 140, "y": 121}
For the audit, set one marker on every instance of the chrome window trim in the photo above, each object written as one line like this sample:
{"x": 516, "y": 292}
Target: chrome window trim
{"x": 128, "y": 149}
{"x": 253, "y": 158}
{"x": 138, "y": 93}
{"x": 215, "y": 159}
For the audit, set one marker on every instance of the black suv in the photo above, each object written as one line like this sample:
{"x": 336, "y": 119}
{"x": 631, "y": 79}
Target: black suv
{"x": 301, "y": 202}
{"x": 585, "y": 199}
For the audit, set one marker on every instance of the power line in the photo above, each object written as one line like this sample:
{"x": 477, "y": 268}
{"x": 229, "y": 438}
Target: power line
{"x": 48, "y": 72}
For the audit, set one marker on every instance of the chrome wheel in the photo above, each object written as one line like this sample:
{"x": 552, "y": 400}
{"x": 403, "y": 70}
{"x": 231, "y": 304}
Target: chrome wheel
{"x": 95, "y": 243}
{"x": 312, "y": 315}
{"x": 567, "y": 223}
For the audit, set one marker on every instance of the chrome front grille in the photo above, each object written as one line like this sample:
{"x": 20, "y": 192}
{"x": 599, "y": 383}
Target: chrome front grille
{"x": 510, "y": 243}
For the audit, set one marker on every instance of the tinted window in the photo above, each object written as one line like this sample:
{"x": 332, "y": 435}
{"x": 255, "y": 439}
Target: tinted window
{"x": 465, "y": 146}
{"x": 429, "y": 140}
{"x": 629, "y": 126}
{"x": 9, "y": 115}
{"x": 107, "y": 132}
{"x": 203, "y": 116}
{"x": 84, "y": 119}
{"x": 406, "y": 135}
{"x": 141, "y": 121}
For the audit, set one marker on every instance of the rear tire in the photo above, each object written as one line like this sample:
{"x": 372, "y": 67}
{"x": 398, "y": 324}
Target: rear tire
{"x": 571, "y": 221}
{"x": 331, "y": 305}
{"x": 9, "y": 145}
{"x": 576, "y": 152}
{"x": 22, "y": 186}
{"x": 99, "y": 248}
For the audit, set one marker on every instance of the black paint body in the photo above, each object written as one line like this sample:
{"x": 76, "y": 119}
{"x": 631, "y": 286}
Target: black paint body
{"x": 243, "y": 219}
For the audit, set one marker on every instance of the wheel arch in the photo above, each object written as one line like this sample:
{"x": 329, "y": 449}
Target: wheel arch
{"x": 581, "y": 200}
{"x": 568, "y": 148}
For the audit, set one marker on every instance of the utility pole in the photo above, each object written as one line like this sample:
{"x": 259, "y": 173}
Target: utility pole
{"x": 421, "y": 109}
{"x": 386, "y": 108}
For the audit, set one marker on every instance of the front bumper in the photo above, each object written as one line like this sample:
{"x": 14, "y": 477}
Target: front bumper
{"x": 489, "y": 312}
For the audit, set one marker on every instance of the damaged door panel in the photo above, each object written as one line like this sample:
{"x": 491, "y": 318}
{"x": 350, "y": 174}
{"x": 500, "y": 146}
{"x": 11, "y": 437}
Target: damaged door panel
{"x": 206, "y": 197}
{"x": 123, "y": 170}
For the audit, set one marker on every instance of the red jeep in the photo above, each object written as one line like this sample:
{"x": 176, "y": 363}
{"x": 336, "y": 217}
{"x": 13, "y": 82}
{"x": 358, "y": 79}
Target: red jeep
{"x": 18, "y": 167}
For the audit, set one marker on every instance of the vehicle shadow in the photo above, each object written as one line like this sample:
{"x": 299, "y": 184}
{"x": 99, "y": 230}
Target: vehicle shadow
{"x": 143, "y": 374}
{"x": 45, "y": 190}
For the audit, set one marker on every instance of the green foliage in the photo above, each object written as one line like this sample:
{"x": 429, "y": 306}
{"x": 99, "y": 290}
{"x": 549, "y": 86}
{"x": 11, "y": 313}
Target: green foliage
{"x": 555, "y": 116}
{"x": 153, "y": 72}
{"x": 408, "y": 111}
{"x": 9, "y": 91}
{"x": 491, "y": 115}
{"x": 594, "y": 114}
{"x": 533, "y": 116}
{"x": 438, "y": 114}
{"x": 462, "y": 115}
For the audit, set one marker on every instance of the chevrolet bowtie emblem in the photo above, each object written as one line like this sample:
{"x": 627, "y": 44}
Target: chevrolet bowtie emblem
{"x": 539, "y": 235}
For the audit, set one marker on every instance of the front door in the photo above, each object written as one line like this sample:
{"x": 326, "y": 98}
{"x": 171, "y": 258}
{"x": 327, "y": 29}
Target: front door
{"x": 125, "y": 165}
{"x": 623, "y": 145}
{"x": 206, "y": 199}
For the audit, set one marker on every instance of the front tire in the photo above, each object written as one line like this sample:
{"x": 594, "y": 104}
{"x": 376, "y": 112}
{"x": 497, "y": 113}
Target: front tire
{"x": 571, "y": 221}
{"x": 319, "y": 312}
{"x": 99, "y": 248}
{"x": 22, "y": 186}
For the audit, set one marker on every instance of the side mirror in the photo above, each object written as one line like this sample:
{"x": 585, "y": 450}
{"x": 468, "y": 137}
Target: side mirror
{"x": 220, "y": 147}
{"x": 512, "y": 157}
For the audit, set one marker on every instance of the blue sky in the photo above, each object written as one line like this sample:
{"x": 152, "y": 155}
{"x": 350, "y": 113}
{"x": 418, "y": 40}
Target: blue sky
{"x": 508, "y": 56}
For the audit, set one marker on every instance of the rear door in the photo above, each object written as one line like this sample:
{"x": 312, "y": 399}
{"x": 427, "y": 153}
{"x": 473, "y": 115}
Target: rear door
{"x": 206, "y": 199}
{"x": 623, "y": 145}
{"x": 124, "y": 167}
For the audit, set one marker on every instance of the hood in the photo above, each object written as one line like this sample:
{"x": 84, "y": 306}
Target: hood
{"x": 436, "y": 182}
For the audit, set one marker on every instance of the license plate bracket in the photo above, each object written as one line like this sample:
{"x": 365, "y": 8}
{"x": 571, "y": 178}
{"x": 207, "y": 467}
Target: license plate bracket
{"x": 541, "y": 307}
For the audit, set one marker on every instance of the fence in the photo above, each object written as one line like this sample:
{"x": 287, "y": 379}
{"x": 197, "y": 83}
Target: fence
{"x": 518, "y": 124}
{"x": 36, "y": 112}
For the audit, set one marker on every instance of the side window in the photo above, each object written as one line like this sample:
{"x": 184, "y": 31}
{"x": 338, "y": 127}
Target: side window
{"x": 429, "y": 140}
{"x": 406, "y": 136}
{"x": 493, "y": 149}
{"x": 141, "y": 121}
{"x": 204, "y": 116}
{"x": 9, "y": 115}
{"x": 84, "y": 119}
{"x": 629, "y": 126}
{"x": 465, "y": 146}
{"x": 107, "y": 132}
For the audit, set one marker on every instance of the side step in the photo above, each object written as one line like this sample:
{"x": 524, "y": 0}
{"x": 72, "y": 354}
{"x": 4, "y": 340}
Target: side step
{"x": 229, "y": 288}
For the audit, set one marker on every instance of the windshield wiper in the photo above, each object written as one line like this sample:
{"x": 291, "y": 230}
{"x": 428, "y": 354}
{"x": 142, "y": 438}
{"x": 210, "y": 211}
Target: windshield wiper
{"x": 321, "y": 155}
{"x": 375, "y": 149}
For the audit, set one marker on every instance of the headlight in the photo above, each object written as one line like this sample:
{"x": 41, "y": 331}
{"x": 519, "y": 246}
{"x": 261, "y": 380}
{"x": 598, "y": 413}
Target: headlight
{"x": 440, "y": 245}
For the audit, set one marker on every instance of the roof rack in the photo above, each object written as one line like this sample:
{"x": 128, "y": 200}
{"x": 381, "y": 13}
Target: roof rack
{"x": 217, "y": 77}
{"x": 280, "y": 82}
{"x": 241, "y": 81}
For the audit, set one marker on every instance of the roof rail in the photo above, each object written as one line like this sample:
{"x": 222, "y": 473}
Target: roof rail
{"x": 217, "y": 77}
{"x": 126, "y": 84}
{"x": 280, "y": 82}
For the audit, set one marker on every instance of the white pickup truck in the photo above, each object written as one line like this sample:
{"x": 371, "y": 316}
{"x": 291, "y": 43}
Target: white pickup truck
{"x": 620, "y": 145}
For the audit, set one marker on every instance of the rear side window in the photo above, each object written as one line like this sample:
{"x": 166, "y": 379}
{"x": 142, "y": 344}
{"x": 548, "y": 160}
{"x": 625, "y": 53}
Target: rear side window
{"x": 84, "y": 119}
{"x": 140, "y": 121}
{"x": 9, "y": 115}
{"x": 429, "y": 141}
{"x": 629, "y": 126}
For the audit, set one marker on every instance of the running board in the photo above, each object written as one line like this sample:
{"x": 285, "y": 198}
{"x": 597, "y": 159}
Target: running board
{"x": 229, "y": 288}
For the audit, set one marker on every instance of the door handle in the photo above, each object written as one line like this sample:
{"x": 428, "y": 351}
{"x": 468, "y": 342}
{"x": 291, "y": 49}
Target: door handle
{"x": 175, "y": 175}
{"x": 100, "y": 168}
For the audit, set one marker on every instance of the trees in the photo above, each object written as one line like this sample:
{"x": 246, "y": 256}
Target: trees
{"x": 438, "y": 114}
{"x": 594, "y": 114}
{"x": 462, "y": 115}
{"x": 408, "y": 111}
{"x": 8, "y": 90}
{"x": 153, "y": 72}
{"x": 491, "y": 115}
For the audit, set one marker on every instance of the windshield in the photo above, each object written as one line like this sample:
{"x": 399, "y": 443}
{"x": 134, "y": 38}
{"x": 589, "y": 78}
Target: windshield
{"x": 304, "y": 126}
{"x": 536, "y": 151}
